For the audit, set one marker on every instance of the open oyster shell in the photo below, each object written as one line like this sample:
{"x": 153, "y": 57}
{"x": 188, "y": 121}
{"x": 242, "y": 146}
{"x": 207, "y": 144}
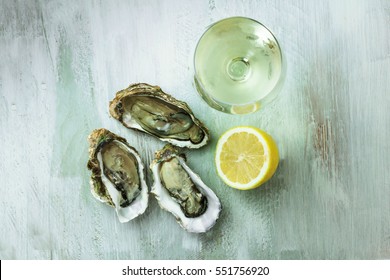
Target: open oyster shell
{"x": 147, "y": 108}
{"x": 117, "y": 177}
{"x": 180, "y": 191}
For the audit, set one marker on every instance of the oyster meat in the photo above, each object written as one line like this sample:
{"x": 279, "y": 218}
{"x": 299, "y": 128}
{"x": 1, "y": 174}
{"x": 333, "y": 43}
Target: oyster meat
{"x": 117, "y": 177}
{"x": 180, "y": 191}
{"x": 147, "y": 108}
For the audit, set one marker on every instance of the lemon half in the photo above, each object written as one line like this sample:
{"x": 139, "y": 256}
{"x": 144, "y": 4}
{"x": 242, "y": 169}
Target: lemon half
{"x": 246, "y": 157}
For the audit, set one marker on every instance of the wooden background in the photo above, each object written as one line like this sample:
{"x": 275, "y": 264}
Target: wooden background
{"x": 62, "y": 61}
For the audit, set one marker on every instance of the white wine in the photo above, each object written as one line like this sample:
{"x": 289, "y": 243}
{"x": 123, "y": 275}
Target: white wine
{"x": 238, "y": 62}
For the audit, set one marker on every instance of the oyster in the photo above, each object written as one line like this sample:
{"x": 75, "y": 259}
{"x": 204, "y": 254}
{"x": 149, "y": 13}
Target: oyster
{"x": 117, "y": 174}
{"x": 180, "y": 191}
{"x": 147, "y": 108}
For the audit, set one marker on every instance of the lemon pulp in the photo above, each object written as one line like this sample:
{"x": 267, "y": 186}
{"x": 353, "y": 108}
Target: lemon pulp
{"x": 246, "y": 157}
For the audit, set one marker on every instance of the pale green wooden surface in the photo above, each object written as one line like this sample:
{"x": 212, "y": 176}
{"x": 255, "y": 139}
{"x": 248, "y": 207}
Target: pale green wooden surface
{"x": 61, "y": 63}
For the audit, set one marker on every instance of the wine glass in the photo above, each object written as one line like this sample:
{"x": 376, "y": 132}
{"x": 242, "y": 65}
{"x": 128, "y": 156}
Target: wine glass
{"x": 238, "y": 65}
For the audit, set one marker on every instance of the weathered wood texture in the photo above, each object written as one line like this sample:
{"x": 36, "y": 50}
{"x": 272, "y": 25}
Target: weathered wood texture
{"x": 61, "y": 63}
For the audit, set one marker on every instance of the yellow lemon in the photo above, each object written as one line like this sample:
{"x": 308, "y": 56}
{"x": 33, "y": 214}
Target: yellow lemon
{"x": 246, "y": 157}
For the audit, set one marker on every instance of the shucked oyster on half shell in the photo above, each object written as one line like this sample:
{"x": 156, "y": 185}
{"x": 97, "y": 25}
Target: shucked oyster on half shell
{"x": 147, "y": 108}
{"x": 117, "y": 174}
{"x": 180, "y": 191}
